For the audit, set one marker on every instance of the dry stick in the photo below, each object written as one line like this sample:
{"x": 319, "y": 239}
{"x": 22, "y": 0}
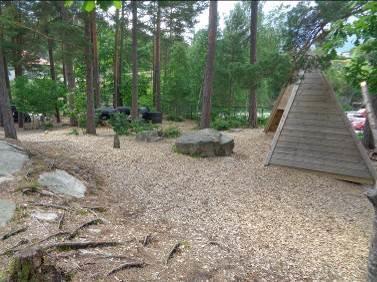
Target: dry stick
{"x": 60, "y": 222}
{"x": 96, "y": 208}
{"x": 147, "y": 239}
{"x": 13, "y": 248}
{"x": 60, "y": 233}
{"x": 126, "y": 265}
{"x": 50, "y": 206}
{"x": 13, "y": 232}
{"x": 173, "y": 251}
{"x": 91, "y": 222}
{"x": 81, "y": 245}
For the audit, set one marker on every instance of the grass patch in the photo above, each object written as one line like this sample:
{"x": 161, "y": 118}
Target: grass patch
{"x": 171, "y": 132}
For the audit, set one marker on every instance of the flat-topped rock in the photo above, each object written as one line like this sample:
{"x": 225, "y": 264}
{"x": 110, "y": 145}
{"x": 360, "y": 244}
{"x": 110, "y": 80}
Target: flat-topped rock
{"x": 12, "y": 159}
{"x": 45, "y": 216}
{"x": 59, "y": 181}
{"x": 205, "y": 143}
{"x": 7, "y": 209}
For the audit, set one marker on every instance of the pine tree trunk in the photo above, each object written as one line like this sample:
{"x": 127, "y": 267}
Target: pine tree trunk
{"x": 90, "y": 118}
{"x": 96, "y": 79}
{"x": 68, "y": 67}
{"x": 253, "y": 118}
{"x": 53, "y": 74}
{"x": 157, "y": 60}
{"x": 5, "y": 109}
{"x": 116, "y": 61}
{"x": 134, "y": 106}
{"x": 120, "y": 64}
{"x": 210, "y": 65}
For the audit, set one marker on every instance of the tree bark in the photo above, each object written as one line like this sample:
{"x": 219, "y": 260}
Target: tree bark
{"x": 5, "y": 109}
{"x": 120, "y": 65}
{"x": 68, "y": 67}
{"x": 96, "y": 78}
{"x": 210, "y": 65}
{"x": 157, "y": 60}
{"x": 253, "y": 118}
{"x": 134, "y": 106}
{"x": 53, "y": 74}
{"x": 90, "y": 118}
{"x": 116, "y": 60}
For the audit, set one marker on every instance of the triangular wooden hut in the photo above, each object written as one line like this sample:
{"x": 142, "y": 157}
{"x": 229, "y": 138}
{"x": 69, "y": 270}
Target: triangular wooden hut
{"x": 315, "y": 134}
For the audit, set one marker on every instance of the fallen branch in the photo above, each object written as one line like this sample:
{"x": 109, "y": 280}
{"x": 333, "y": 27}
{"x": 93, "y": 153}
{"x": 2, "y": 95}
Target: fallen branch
{"x": 50, "y": 206}
{"x": 86, "y": 224}
{"x": 215, "y": 243}
{"x": 81, "y": 245}
{"x": 60, "y": 222}
{"x": 147, "y": 240}
{"x": 97, "y": 208}
{"x": 173, "y": 251}
{"x": 129, "y": 264}
{"x": 13, "y": 232}
{"x": 60, "y": 233}
{"x": 13, "y": 248}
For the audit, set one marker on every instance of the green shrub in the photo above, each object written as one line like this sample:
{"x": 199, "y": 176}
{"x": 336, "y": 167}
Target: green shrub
{"x": 227, "y": 122}
{"x": 47, "y": 125}
{"x": 221, "y": 124}
{"x": 171, "y": 132}
{"x": 175, "y": 118}
{"x": 120, "y": 124}
{"x": 140, "y": 125}
{"x": 73, "y": 131}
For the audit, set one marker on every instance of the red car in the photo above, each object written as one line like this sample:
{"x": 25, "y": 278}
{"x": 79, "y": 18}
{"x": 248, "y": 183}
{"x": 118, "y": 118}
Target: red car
{"x": 357, "y": 119}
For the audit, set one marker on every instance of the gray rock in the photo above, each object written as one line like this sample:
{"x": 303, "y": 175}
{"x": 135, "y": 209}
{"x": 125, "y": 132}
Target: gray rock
{"x": 205, "y": 143}
{"x": 148, "y": 136}
{"x": 45, "y": 216}
{"x": 7, "y": 209}
{"x": 12, "y": 159}
{"x": 61, "y": 182}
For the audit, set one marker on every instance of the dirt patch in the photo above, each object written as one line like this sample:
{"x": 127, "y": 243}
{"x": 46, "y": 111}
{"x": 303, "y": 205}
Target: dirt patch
{"x": 273, "y": 223}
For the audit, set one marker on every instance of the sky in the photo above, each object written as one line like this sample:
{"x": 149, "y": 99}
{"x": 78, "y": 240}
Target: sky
{"x": 224, "y": 7}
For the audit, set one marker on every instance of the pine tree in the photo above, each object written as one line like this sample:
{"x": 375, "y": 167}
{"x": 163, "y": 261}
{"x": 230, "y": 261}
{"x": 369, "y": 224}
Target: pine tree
{"x": 134, "y": 104}
{"x": 253, "y": 119}
{"x": 210, "y": 64}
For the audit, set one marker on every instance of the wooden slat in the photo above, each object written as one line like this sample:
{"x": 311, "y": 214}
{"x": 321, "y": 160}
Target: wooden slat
{"x": 324, "y": 156}
{"x": 316, "y": 116}
{"x": 337, "y": 143}
{"x": 308, "y": 123}
{"x": 316, "y": 148}
{"x": 323, "y": 168}
{"x": 313, "y": 135}
{"x": 317, "y": 130}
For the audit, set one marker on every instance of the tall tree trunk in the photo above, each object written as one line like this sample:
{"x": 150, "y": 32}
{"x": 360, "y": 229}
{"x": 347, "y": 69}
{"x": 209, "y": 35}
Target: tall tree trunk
{"x": 157, "y": 60}
{"x": 18, "y": 41}
{"x": 53, "y": 74}
{"x": 90, "y": 119}
{"x": 210, "y": 65}
{"x": 372, "y": 193}
{"x": 68, "y": 67}
{"x": 134, "y": 106}
{"x": 253, "y": 119}
{"x": 120, "y": 65}
{"x": 6, "y": 112}
{"x": 116, "y": 60}
{"x": 96, "y": 78}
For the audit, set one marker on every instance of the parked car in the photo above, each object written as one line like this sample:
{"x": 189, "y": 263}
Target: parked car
{"x": 105, "y": 113}
{"x": 27, "y": 117}
{"x": 357, "y": 119}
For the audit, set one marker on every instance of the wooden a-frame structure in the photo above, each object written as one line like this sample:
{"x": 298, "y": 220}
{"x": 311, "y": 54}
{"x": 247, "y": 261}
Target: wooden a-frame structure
{"x": 315, "y": 134}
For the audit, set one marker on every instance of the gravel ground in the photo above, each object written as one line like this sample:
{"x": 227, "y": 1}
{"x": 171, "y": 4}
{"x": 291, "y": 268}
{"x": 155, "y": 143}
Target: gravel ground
{"x": 234, "y": 218}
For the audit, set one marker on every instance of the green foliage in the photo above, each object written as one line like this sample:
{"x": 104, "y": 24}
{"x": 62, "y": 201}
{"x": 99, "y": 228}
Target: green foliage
{"x": 73, "y": 131}
{"x": 38, "y": 96}
{"x": 123, "y": 126}
{"x": 120, "y": 124}
{"x": 175, "y": 118}
{"x": 225, "y": 122}
{"x": 171, "y": 132}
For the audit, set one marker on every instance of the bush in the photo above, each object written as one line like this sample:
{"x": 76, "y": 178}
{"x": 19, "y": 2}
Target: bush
{"x": 227, "y": 122}
{"x": 120, "y": 124}
{"x": 175, "y": 118}
{"x": 73, "y": 131}
{"x": 171, "y": 132}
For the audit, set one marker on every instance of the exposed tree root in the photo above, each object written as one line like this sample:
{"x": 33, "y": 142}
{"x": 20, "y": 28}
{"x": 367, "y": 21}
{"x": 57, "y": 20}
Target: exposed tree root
{"x": 172, "y": 252}
{"x": 13, "y": 232}
{"x": 129, "y": 264}
{"x": 86, "y": 224}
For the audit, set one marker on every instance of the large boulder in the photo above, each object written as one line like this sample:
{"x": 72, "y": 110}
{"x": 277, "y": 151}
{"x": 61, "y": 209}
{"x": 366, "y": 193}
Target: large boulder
{"x": 205, "y": 143}
{"x": 12, "y": 159}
